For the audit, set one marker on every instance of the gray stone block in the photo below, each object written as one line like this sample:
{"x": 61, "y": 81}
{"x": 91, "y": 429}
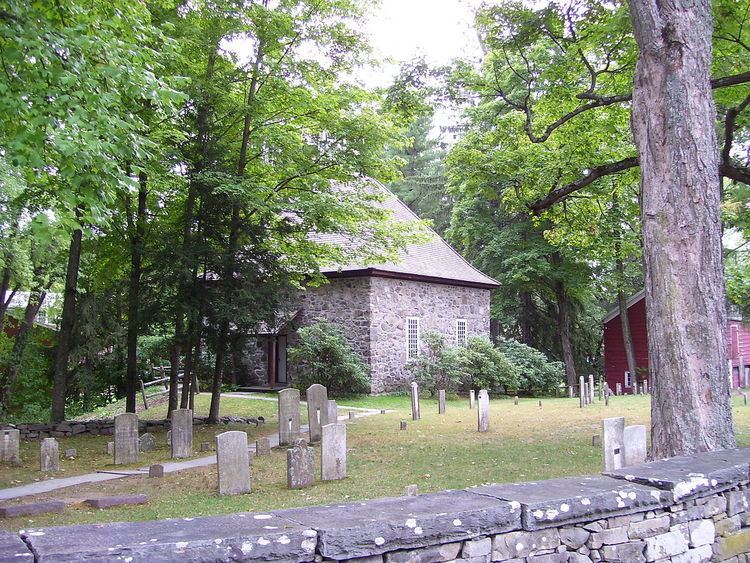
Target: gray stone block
{"x": 727, "y": 526}
{"x": 333, "y": 452}
{"x": 121, "y": 500}
{"x": 690, "y": 477}
{"x": 12, "y": 547}
{"x": 233, "y": 463}
{"x": 635, "y": 443}
{"x": 624, "y": 553}
{"x": 698, "y": 555}
{"x": 573, "y": 537}
{"x": 147, "y": 442}
{"x": 32, "y": 509}
{"x": 610, "y": 536}
{"x": 665, "y": 545}
{"x": 432, "y": 554}
{"x": 390, "y": 524}
{"x": 262, "y": 446}
{"x": 126, "y": 438}
{"x": 737, "y": 501}
{"x": 333, "y": 412}
{"x": 613, "y": 443}
{"x": 317, "y": 410}
{"x": 182, "y": 433}
{"x": 524, "y": 544}
{"x": 701, "y": 532}
{"x": 71, "y": 452}
{"x": 648, "y": 528}
{"x": 480, "y": 547}
{"x": 300, "y": 466}
{"x": 575, "y": 499}
{"x": 236, "y": 537}
{"x": 10, "y": 439}
{"x": 288, "y": 416}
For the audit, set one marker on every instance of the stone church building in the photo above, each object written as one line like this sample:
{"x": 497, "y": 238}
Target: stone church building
{"x": 383, "y": 310}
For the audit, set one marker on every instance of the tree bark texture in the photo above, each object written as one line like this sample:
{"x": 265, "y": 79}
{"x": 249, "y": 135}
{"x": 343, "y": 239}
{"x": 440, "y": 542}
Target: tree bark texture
{"x": 673, "y": 125}
{"x": 627, "y": 337}
{"x": 563, "y": 328}
{"x": 60, "y": 376}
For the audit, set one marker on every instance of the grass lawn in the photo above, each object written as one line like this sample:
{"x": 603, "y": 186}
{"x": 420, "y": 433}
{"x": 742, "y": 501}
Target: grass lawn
{"x": 525, "y": 443}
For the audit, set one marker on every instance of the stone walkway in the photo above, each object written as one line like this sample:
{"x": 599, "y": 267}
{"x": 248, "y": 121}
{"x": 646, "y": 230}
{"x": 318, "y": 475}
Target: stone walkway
{"x": 169, "y": 467}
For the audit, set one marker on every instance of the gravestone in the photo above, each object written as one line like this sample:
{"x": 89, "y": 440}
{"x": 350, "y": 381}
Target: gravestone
{"x": 581, "y": 392}
{"x": 613, "y": 430}
{"x": 156, "y": 470}
{"x": 169, "y": 438}
{"x": 110, "y": 448}
{"x": 411, "y": 490}
{"x": 403, "y": 425}
{"x": 415, "y": 401}
{"x": 333, "y": 452}
{"x": 263, "y": 446}
{"x": 182, "y": 433}
{"x": 634, "y": 442}
{"x": 148, "y": 443}
{"x": 300, "y": 466}
{"x": 472, "y": 398}
{"x": 515, "y": 401}
{"x": 333, "y": 411}
{"x": 126, "y": 438}
{"x": 483, "y": 411}
{"x": 596, "y": 440}
{"x": 744, "y": 398}
{"x": 288, "y": 416}
{"x": 618, "y": 388}
{"x": 441, "y": 401}
{"x": 233, "y": 463}
{"x": 317, "y": 410}
{"x": 205, "y": 446}
{"x": 540, "y": 403}
{"x": 645, "y": 386}
{"x": 49, "y": 455}
{"x": 571, "y": 392}
{"x": 71, "y": 452}
{"x": 591, "y": 389}
{"x": 352, "y": 415}
{"x": 382, "y": 411}
{"x": 9, "y": 445}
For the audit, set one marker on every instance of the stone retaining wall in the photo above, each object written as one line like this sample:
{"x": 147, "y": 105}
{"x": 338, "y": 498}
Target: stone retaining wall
{"x": 105, "y": 427}
{"x": 686, "y": 509}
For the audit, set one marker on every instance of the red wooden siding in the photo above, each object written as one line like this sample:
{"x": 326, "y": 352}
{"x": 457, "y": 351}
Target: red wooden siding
{"x": 615, "y": 363}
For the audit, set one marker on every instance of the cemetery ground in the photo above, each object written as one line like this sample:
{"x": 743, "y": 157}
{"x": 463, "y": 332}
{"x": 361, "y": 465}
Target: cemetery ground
{"x": 524, "y": 443}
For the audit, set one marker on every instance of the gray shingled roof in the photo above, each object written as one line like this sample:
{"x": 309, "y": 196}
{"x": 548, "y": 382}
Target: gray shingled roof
{"x": 435, "y": 259}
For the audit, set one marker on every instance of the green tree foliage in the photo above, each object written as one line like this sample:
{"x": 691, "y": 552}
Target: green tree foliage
{"x": 437, "y": 366}
{"x": 535, "y": 371}
{"x": 322, "y": 355}
{"x": 486, "y": 367}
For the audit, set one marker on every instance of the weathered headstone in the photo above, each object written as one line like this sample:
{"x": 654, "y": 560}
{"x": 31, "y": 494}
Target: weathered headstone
{"x": 645, "y": 386}
{"x": 300, "y": 467}
{"x": 333, "y": 452}
{"x": 483, "y": 411}
{"x": 10, "y": 445}
{"x": 352, "y": 415}
{"x": 148, "y": 443}
{"x": 515, "y": 401}
{"x": 169, "y": 438}
{"x": 126, "y": 438}
{"x": 411, "y": 490}
{"x": 403, "y": 425}
{"x": 596, "y": 440}
{"x": 205, "y": 446}
{"x": 288, "y": 416}
{"x": 441, "y": 401}
{"x": 71, "y": 452}
{"x": 591, "y": 389}
{"x": 333, "y": 411}
{"x": 613, "y": 430}
{"x": 182, "y": 433}
{"x": 634, "y": 442}
{"x": 744, "y": 398}
{"x": 581, "y": 392}
{"x": 317, "y": 410}
{"x": 156, "y": 470}
{"x": 415, "y": 415}
{"x": 263, "y": 446}
{"x": 540, "y": 403}
{"x": 382, "y": 411}
{"x": 571, "y": 392}
{"x": 618, "y": 388}
{"x": 233, "y": 463}
{"x": 472, "y": 398}
{"x": 110, "y": 448}
{"x": 49, "y": 455}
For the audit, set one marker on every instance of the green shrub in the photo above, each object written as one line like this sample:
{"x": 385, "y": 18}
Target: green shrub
{"x": 535, "y": 371}
{"x": 484, "y": 366}
{"x": 323, "y": 356}
{"x": 438, "y": 366}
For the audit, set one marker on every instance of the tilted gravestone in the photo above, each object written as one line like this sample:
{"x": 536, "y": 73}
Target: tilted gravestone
{"x": 288, "y": 416}
{"x": 9, "y": 445}
{"x": 333, "y": 452}
{"x": 300, "y": 466}
{"x": 634, "y": 443}
{"x": 126, "y": 438}
{"x": 148, "y": 442}
{"x": 49, "y": 455}
{"x": 182, "y": 433}
{"x": 415, "y": 414}
{"x": 317, "y": 409}
{"x": 472, "y": 398}
{"x": 613, "y": 430}
{"x": 263, "y": 446}
{"x": 333, "y": 411}
{"x": 483, "y": 411}
{"x": 233, "y": 463}
{"x": 441, "y": 401}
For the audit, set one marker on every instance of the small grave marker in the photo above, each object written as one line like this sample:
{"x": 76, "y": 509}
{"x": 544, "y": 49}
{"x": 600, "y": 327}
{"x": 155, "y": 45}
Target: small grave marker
{"x": 71, "y": 453}
{"x": 156, "y": 470}
{"x": 49, "y": 455}
{"x": 263, "y": 446}
{"x": 415, "y": 415}
{"x": 205, "y": 446}
{"x": 403, "y": 425}
{"x": 613, "y": 430}
{"x": 634, "y": 445}
{"x": 472, "y": 398}
{"x": 147, "y": 442}
{"x": 9, "y": 445}
{"x": 352, "y": 415}
{"x": 288, "y": 416}
{"x": 411, "y": 490}
{"x": 483, "y": 411}
{"x": 333, "y": 411}
{"x": 300, "y": 467}
{"x": 182, "y": 433}
{"x": 441, "y": 401}
{"x": 317, "y": 410}
{"x": 581, "y": 392}
{"x": 333, "y": 452}
{"x": 126, "y": 438}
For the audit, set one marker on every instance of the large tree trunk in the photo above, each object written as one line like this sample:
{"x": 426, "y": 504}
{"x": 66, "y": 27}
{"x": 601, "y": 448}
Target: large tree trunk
{"x": 525, "y": 318}
{"x": 60, "y": 376}
{"x": 4, "y": 298}
{"x": 137, "y": 229}
{"x": 673, "y": 124}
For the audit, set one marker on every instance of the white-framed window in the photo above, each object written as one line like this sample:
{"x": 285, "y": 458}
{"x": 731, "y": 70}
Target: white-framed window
{"x": 628, "y": 379}
{"x": 460, "y": 332}
{"x": 412, "y": 337}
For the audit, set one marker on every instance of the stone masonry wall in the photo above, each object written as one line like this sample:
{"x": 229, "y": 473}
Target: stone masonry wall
{"x": 690, "y": 509}
{"x": 438, "y": 306}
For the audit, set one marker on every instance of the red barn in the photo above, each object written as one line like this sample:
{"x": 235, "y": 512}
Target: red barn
{"x": 616, "y": 365}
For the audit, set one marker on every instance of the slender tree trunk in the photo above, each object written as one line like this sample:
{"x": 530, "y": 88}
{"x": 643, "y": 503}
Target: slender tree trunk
{"x": 673, "y": 125}
{"x": 525, "y": 318}
{"x": 187, "y": 369}
{"x": 137, "y": 229}
{"x": 36, "y": 299}
{"x": 563, "y": 322}
{"x": 4, "y": 301}
{"x": 627, "y": 337}
{"x": 64, "y": 336}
